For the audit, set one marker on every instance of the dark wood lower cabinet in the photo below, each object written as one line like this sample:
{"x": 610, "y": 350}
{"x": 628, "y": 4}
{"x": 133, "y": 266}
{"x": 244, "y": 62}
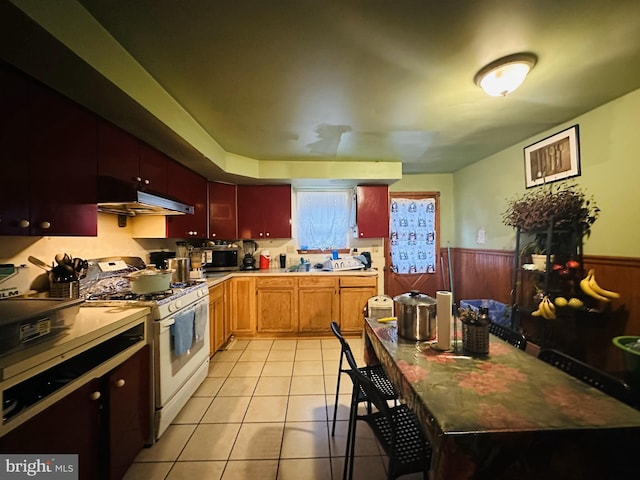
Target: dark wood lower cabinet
{"x": 128, "y": 415}
{"x": 106, "y": 422}
{"x": 71, "y": 425}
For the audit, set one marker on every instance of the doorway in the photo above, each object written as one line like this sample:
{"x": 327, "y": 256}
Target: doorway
{"x": 412, "y": 250}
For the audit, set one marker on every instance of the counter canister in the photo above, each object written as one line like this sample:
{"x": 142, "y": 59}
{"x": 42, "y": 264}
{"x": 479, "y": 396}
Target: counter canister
{"x": 265, "y": 259}
{"x": 416, "y": 314}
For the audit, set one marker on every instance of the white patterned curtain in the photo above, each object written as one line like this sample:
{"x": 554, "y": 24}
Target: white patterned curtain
{"x": 412, "y": 233}
{"x": 323, "y": 219}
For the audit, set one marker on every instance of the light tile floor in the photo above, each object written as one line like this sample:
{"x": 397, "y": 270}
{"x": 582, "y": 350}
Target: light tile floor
{"x": 265, "y": 411}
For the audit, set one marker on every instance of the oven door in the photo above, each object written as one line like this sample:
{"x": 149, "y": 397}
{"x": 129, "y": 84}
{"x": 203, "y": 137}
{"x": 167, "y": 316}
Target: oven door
{"x": 174, "y": 365}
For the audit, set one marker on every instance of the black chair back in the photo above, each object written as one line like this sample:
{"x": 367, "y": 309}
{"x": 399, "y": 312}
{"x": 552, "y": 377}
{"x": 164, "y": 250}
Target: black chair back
{"x": 508, "y": 335}
{"x": 374, "y": 395}
{"x": 590, "y": 375}
{"x": 335, "y": 328}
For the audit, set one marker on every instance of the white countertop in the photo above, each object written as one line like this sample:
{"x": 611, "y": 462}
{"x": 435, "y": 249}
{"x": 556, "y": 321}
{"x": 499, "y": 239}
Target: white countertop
{"x": 216, "y": 278}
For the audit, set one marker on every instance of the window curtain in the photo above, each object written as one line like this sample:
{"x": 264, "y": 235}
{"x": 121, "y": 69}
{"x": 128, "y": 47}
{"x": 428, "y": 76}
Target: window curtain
{"x": 323, "y": 219}
{"x": 413, "y": 235}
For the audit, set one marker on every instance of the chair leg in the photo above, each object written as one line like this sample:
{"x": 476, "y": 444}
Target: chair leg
{"x": 349, "y": 447}
{"x": 335, "y": 406}
{"x": 352, "y": 443}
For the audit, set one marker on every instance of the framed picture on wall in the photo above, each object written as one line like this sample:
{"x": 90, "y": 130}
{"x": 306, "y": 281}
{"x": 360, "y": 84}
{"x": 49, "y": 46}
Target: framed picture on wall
{"x": 554, "y": 158}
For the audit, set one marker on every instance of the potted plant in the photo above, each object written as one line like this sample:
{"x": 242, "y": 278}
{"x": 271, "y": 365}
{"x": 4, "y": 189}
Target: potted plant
{"x": 538, "y": 253}
{"x": 564, "y": 206}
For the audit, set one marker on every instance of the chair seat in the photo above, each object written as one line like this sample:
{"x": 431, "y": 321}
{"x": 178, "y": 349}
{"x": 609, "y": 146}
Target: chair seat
{"x": 411, "y": 447}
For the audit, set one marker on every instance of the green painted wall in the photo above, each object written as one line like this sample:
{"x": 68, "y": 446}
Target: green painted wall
{"x": 442, "y": 183}
{"x": 610, "y": 163}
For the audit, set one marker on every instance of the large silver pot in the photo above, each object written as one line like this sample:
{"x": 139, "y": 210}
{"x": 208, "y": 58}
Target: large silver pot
{"x": 150, "y": 280}
{"x": 181, "y": 268}
{"x": 416, "y": 313}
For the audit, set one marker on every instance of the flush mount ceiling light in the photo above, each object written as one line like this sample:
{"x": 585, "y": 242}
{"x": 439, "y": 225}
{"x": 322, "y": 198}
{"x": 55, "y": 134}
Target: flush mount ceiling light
{"x": 503, "y": 76}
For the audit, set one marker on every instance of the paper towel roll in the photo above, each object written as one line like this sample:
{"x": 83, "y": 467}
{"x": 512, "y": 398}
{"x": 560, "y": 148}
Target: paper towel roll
{"x": 443, "y": 316}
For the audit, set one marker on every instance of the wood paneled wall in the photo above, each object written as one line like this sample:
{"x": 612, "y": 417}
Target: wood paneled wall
{"x": 481, "y": 274}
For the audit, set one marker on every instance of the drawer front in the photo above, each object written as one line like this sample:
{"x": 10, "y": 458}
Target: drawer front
{"x": 216, "y": 291}
{"x": 313, "y": 281}
{"x": 271, "y": 282}
{"x": 358, "y": 281}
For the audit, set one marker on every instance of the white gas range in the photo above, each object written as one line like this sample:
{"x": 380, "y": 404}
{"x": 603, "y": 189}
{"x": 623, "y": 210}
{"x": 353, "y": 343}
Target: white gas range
{"x": 178, "y": 331}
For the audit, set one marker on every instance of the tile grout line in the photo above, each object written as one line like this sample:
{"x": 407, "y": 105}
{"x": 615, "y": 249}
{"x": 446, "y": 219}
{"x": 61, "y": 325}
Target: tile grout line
{"x": 325, "y": 357}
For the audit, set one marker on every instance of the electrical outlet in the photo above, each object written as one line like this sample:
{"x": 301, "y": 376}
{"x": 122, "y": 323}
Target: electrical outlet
{"x": 290, "y": 249}
{"x": 482, "y": 236}
{"x": 374, "y": 249}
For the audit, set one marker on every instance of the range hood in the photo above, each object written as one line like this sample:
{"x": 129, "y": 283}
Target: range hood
{"x": 120, "y": 198}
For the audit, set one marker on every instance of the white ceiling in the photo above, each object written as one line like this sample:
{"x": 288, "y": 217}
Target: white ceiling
{"x": 377, "y": 80}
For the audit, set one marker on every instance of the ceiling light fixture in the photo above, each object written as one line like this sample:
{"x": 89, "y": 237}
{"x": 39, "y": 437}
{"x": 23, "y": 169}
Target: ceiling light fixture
{"x": 503, "y": 76}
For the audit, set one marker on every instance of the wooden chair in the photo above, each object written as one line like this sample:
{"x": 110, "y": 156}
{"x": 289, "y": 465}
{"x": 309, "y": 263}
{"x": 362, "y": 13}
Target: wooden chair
{"x": 590, "y": 375}
{"x": 508, "y": 335}
{"x": 375, "y": 373}
{"x": 397, "y": 429}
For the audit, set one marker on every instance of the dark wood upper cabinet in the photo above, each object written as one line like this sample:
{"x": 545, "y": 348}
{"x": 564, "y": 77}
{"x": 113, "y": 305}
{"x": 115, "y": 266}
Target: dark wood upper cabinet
{"x": 264, "y": 211}
{"x": 123, "y": 156}
{"x": 191, "y": 188}
{"x": 118, "y": 153}
{"x": 154, "y": 169}
{"x": 223, "y": 221}
{"x": 372, "y": 211}
{"x": 51, "y": 145}
{"x": 15, "y": 94}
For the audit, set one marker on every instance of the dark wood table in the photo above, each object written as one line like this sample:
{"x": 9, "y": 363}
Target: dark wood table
{"x": 508, "y": 415}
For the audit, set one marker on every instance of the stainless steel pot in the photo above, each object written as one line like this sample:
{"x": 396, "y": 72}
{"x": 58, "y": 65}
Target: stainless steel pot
{"x": 181, "y": 268}
{"x": 150, "y": 280}
{"x": 416, "y": 315}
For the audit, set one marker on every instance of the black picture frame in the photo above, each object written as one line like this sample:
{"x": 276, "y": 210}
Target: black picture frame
{"x": 553, "y": 158}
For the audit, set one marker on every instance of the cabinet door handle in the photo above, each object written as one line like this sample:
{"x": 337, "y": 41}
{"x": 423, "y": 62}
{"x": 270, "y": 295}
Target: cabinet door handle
{"x": 45, "y": 225}
{"x": 24, "y": 223}
{"x": 119, "y": 383}
{"x": 95, "y": 395}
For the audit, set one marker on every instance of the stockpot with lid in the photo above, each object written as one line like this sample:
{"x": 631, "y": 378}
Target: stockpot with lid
{"x": 416, "y": 314}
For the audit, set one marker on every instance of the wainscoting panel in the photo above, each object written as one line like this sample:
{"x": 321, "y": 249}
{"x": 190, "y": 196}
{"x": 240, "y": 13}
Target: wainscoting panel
{"x": 488, "y": 274}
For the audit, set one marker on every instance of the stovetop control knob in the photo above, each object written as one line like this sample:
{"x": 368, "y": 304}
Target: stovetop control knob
{"x": 178, "y": 303}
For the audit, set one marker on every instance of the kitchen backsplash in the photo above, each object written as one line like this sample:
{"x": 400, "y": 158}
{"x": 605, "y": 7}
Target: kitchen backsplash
{"x": 115, "y": 240}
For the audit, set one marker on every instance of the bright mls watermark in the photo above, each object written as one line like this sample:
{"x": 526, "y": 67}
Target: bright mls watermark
{"x": 50, "y": 467}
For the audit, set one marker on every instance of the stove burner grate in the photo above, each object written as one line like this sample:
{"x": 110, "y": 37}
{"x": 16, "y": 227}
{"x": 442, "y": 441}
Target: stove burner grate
{"x": 131, "y": 296}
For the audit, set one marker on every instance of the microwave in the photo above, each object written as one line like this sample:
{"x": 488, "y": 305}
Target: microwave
{"x": 221, "y": 258}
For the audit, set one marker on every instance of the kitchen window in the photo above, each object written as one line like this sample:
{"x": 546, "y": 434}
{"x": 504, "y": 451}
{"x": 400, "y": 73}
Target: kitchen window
{"x": 324, "y": 219}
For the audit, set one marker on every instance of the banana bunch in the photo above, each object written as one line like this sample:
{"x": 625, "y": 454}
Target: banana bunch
{"x": 590, "y": 287}
{"x": 546, "y": 309}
